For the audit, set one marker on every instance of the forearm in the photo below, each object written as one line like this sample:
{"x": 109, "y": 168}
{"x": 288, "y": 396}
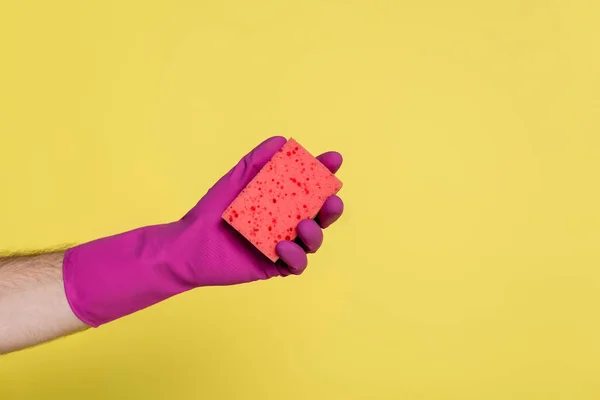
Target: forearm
{"x": 33, "y": 304}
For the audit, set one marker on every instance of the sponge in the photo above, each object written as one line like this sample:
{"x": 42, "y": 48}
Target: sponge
{"x": 292, "y": 186}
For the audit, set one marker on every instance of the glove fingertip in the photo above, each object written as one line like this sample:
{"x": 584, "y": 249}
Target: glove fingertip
{"x": 292, "y": 255}
{"x": 331, "y": 211}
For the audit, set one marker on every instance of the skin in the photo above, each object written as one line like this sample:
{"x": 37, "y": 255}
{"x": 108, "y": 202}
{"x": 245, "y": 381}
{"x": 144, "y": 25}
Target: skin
{"x": 33, "y": 304}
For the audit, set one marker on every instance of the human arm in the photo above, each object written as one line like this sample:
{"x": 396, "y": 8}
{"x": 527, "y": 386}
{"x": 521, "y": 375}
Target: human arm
{"x": 112, "y": 277}
{"x": 33, "y": 304}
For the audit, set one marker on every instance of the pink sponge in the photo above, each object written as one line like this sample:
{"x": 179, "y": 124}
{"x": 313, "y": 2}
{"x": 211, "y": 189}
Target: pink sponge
{"x": 291, "y": 187}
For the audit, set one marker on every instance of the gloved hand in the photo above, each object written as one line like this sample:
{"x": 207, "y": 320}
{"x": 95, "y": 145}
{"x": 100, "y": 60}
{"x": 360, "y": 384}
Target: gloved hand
{"x": 117, "y": 275}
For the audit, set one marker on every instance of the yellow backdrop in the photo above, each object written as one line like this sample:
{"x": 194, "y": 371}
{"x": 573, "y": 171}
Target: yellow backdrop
{"x": 467, "y": 263}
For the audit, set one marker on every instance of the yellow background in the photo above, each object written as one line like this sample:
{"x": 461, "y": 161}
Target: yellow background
{"x": 467, "y": 264}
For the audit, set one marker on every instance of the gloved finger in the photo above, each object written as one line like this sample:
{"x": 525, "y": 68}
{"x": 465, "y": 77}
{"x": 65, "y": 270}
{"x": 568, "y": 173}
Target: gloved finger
{"x": 310, "y": 235}
{"x": 252, "y": 162}
{"x": 330, "y": 212}
{"x": 282, "y": 269}
{"x": 332, "y": 160}
{"x": 230, "y": 184}
{"x": 293, "y": 256}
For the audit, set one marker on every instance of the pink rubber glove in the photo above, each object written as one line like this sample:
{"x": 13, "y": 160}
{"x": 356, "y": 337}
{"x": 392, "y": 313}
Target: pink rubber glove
{"x": 117, "y": 275}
